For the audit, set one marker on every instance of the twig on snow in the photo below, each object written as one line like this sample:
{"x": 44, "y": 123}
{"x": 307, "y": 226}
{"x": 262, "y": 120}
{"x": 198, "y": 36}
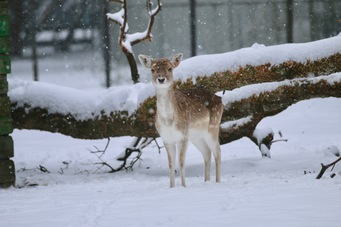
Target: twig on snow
{"x": 325, "y": 167}
{"x": 43, "y": 169}
{"x": 138, "y": 144}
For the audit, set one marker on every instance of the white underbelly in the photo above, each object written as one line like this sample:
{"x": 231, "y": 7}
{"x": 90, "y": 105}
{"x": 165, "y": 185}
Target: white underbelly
{"x": 196, "y": 134}
{"x": 170, "y": 134}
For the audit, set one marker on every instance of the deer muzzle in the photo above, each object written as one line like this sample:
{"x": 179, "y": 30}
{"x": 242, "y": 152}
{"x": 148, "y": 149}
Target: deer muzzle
{"x": 161, "y": 80}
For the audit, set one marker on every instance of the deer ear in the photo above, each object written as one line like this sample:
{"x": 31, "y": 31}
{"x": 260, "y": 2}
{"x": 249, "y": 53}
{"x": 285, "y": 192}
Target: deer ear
{"x": 145, "y": 60}
{"x": 175, "y": 59}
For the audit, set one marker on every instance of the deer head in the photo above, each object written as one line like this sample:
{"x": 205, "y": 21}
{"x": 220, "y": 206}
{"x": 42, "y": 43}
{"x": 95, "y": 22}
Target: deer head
{"x": 162, "y": 69}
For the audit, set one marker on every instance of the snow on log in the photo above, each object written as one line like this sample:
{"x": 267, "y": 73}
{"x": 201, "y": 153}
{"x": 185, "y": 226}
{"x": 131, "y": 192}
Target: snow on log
{"x": 249, "y": 92}
{"x": 287, "y": 60}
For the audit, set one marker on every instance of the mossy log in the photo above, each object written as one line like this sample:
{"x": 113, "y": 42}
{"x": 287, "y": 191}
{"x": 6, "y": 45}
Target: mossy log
{"x": 271, "y": 103}
{"x": 256, "y": 106}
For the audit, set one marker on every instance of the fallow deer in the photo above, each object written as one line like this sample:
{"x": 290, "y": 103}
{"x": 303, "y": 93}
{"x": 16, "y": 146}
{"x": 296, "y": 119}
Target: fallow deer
{"x": 184, "y": 115}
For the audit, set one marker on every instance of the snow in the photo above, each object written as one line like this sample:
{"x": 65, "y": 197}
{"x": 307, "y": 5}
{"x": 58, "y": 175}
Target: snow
{"x": 261, "y": 133}
{"x": 256, "y": 89}
{"x": 257, "y": 55}
{"x": 255, "y": 191}
{"x": 237, "y": 123}
{"x": 136, "y": 36}
{"x": 81, "y": 104}
{"x": 119, "y": 18}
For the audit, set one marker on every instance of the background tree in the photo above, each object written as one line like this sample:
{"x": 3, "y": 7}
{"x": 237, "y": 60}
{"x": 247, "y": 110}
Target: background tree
{"x": 126, "y": 40}
{"x": 17, "y": 23}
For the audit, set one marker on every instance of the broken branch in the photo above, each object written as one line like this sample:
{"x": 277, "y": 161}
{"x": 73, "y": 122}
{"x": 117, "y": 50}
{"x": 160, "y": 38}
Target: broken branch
{"x": 138, "y": 144}
{"x": 325, "y": 167}
{"x": 152, "y": 13}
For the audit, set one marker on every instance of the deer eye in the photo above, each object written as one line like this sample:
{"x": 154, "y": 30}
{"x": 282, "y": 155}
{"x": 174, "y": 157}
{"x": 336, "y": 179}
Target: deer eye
{"x": 153, "y": 70}
{"x": 169, "y": 69}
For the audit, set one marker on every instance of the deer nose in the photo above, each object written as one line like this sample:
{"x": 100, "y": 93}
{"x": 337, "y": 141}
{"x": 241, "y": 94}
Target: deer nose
{"x": 161, "y": 80}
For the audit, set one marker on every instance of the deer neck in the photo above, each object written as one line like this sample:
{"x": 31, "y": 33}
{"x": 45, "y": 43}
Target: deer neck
{"x": 165, "y": 104}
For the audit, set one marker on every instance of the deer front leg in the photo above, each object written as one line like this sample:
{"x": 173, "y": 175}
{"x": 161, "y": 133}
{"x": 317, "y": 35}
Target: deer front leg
{"x": 182, "y": 147}
{"x": 171, "y": 153}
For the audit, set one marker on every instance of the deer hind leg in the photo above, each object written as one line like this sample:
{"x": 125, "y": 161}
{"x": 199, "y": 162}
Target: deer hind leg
{"x": 215, "y": 148}
{"x": 171, "y": 154}
{"x": 182, "y": 148}
{"x": 217, "y": 157}
{"x": 206, "y": 154}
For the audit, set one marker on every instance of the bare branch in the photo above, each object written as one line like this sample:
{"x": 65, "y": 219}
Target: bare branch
{"x": 146, "y": 142}
{"x": 124, "y": 27}
{"x": 152, "y": 13}
{"x": 138, "y": 144}
{"x": 126, "y": 41}
{"x": 158, "y": 146}
{"x": 101, "y": 151}
{"x": 43, "y": 169}
{"x": 120, "y": 18}
{"x": 325, "y": 167}
{"x": 107, "y": 165}
{"x": 279, "y": 140}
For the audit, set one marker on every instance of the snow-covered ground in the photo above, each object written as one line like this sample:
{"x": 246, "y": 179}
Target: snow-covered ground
{"x": 281, "y": 191}
{"x": 255, "y": 191}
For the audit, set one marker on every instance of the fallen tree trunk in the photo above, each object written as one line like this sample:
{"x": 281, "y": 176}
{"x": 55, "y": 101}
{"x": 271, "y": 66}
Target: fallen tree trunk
{"x": 260, "y": 89}
{"x": 271, "y": 103}
{"x": 141, "y": 123}
{"x": 249, "y": 74}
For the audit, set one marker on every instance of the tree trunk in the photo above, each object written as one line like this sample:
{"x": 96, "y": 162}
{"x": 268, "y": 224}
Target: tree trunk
{"x": 254, "y": 107}
{"x": 17, "y": 18}
{"x": 133, "y": 67}
{"x": 271, "y": 103}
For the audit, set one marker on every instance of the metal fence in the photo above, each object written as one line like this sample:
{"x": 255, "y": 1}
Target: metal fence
{"x": 232, "y": 24}
{"x": 213, "y": 26}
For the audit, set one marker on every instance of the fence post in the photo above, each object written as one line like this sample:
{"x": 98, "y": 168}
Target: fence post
{"x": 193, "y": 30}
{"x": 106, "y": 43}
{"x": 32, "y": 33}
{"x": 7, "y": 170}
{"x": 290, "y": 21}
